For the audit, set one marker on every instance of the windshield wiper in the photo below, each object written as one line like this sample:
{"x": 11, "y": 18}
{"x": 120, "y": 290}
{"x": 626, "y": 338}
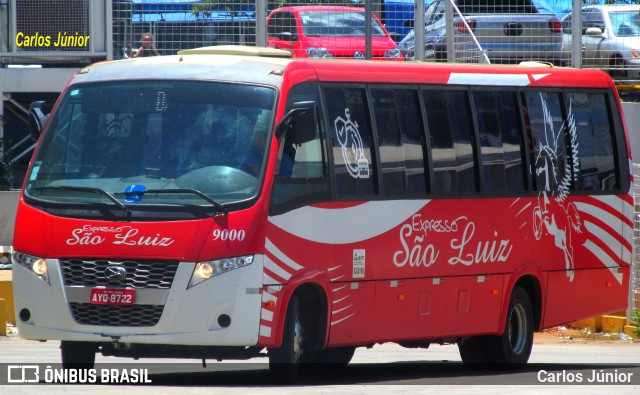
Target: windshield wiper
{"x": 125, "y": 211}
{"x": 214, "y": 203}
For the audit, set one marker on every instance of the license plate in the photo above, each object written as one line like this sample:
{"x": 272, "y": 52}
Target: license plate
{"x": 113, "y": 296}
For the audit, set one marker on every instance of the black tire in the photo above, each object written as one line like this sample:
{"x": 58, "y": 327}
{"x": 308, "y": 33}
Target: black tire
{"x": 616, "y": 68}
{"x": 78, "y": 355}
{"x": 474, "y": 352}
{"x": 512, "y": 349}
{"x": 285, "y": 362}
{"x": 337, "y": 357}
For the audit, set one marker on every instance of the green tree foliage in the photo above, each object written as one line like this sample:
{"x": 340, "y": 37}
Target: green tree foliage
{"x": 205, "y": 7}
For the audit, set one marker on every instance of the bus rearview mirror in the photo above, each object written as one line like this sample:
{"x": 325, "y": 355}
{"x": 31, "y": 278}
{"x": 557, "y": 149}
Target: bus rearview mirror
{"x": 37, "y": 119}
{"x": 300, "y": 121}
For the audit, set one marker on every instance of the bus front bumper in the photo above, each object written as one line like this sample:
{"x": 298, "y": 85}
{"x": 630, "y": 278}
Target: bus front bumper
{"x": 223, "y": 310}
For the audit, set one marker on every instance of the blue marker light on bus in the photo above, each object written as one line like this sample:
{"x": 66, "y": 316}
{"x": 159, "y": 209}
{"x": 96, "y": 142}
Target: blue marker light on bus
{"x": 130, "y": 197}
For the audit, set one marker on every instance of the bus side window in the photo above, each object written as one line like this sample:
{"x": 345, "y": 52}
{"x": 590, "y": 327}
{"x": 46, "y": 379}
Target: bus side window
{"x": 301, "y": 160}
{"x": 595, "y": 148}
{"x": 351, "y": 141}
{"x": 451, "y": 133}
{"x": 501, "y": 144}
{"x": 413, "y": 141}
{"x": 306, "y": 160}
{"x": 392, "y": 161}
{"x": 549, "y": 156}
{"x": 399, "y": 131}
{"x": 301, "y": 171}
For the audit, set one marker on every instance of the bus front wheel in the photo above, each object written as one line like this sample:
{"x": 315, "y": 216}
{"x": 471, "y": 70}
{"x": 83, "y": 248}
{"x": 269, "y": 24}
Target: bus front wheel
{"x": 512, "y": 349}
{"x": 337, "y": 357}
{"x": 285, "y": 362}
{"x": 78, "y": 355}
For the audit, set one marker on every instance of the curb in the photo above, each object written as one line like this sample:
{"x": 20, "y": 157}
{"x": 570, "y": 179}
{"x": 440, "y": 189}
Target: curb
{"x": 633, "y": 331}
{"x": 7, "y": 313}
{"x": 614, "y": 323}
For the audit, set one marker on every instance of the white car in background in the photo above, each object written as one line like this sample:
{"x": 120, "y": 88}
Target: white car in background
{"x": 610, "y": 38}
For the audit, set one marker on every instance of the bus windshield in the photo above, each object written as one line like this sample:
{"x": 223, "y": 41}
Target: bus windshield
{"x": 154, "y": 143}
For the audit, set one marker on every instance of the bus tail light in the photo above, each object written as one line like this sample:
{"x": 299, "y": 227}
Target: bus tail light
{"x": 206, "y": 270}
{"x": 37, "y": 266}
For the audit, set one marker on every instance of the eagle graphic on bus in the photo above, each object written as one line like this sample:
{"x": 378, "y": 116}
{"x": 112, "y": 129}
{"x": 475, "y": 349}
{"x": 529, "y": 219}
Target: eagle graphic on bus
{"x": 554, "y": 215}
{"x": 352, "y": 146}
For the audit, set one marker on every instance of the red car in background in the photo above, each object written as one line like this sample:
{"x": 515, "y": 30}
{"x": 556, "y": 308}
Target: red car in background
{"x": 328, "y": 32}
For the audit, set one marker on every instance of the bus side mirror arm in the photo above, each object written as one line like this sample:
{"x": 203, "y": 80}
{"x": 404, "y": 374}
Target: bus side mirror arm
{"x": 37, "y": 119}
{"x": 301, "y": 120}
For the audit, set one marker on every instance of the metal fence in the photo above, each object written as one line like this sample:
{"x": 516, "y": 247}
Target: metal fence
{"x": 177, "y": 24}
{"x": 496, "y": 31}
{"x": 182, "y": 25}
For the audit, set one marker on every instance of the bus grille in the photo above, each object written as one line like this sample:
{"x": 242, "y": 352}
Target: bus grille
{"x": 137, "y": 315}
{"x": 140, "y": 274}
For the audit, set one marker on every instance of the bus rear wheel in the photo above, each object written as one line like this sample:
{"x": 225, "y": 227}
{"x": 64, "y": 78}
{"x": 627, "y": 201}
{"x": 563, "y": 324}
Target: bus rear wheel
{"x": 512, "y": 349}
{"x": 78, "y": 355}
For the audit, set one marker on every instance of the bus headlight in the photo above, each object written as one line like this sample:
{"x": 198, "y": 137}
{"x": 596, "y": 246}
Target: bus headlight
{"x": 205, "y": 270}
{"x": 36, "y": 265}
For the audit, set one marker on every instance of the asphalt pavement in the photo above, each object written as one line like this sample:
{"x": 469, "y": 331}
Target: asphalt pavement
{"x": 571, "y": 366}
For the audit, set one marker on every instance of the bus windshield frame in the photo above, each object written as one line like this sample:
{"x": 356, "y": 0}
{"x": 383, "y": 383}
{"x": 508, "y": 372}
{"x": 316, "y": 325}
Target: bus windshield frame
{"x": 151, "y": 145}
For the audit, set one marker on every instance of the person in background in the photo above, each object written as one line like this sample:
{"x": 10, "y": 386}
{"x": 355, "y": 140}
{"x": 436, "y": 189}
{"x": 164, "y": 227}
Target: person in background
{"x": 147, "y": 48}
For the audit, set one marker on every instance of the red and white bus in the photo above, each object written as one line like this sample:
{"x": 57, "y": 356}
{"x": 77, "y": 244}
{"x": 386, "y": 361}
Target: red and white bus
{"x": 224, "y": 201}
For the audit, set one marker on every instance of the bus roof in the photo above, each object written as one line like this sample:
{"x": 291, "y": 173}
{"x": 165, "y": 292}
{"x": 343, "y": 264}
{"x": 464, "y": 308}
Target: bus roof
{"x": 530, "y": 73}
{"x": 267, "y": 66}
{"x": 190, "y": 65}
